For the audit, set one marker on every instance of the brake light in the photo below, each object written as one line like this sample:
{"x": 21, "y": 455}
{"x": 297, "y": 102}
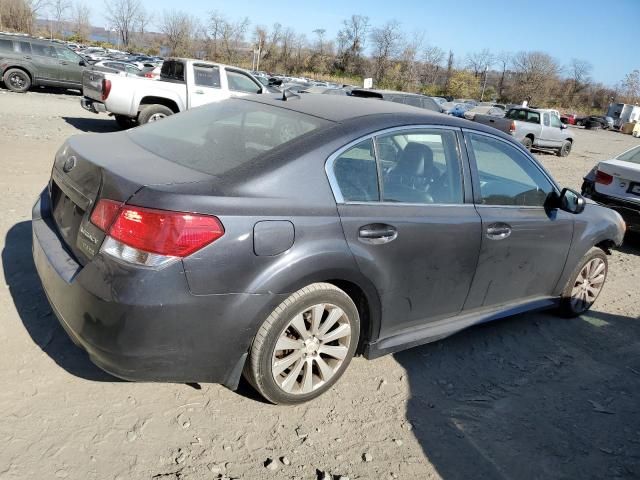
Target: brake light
{"x": 512, "y": 127}
{"x": 106, "y": 88}
{"x": 148, "y": 75}
{"x": 157, "y": 232}
{"x": 603, "y": 178}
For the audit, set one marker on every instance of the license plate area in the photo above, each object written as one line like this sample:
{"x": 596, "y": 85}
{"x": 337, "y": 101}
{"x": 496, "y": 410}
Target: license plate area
{"x": 634, "y": 188}
{"x": 66, "y": 214}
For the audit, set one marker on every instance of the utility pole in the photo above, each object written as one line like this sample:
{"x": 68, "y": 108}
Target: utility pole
{"x": 484, "y": 84}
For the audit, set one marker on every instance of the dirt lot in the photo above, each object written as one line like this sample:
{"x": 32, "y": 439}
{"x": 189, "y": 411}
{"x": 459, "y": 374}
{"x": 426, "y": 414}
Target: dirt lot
{"x": 530, "y": 397}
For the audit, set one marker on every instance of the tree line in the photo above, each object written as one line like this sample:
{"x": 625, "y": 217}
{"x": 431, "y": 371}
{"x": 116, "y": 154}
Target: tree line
{"x": 387, "y": 53}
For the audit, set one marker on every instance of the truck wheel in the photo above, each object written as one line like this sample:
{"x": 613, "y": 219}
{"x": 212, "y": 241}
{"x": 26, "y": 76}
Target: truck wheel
{"x": 528, "y": 143}
{"x": 305, "y": 345}
{"x": 125, "y": 122}
{"x": 17, "y": 80}
{"x": 565, "y": 150}
{"x": 585, "y": 283}
{"x": 153, "y": 113}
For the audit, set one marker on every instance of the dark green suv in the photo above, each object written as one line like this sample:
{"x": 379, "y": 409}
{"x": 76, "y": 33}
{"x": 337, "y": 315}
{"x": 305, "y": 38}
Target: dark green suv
{"x": 26, "y": 62}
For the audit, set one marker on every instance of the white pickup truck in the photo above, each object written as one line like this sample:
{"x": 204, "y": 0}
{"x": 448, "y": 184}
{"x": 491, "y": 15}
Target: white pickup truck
{"x": 183, "y": 84}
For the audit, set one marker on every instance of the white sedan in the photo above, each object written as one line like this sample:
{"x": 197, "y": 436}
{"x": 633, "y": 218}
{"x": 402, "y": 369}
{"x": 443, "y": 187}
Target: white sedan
{"x": 616, "y": 184}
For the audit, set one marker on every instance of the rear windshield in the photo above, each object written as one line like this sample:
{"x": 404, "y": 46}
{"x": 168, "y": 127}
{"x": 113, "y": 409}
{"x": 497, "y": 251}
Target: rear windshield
{"x": 632, "y": 155}
{"x": 222, "y": 136}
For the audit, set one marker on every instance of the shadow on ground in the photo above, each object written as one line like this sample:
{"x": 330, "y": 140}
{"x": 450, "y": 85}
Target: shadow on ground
{"x": 52, "y": 90}
{"x": 32, "y": 306}
{"x": 93, "y": 125}
{"x": 535, "y": 396}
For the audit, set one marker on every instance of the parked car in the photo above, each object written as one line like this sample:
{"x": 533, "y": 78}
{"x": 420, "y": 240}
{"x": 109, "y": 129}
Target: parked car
{"x": 183, "y": 84}
{"x": 413, "y": 99}
{"x": 483, "y": 110}
{"x": 534, "y": 129}
{"x": 459, "y": 109}
{"x": 112, "y": 65}
{"x": 593, "y": 122}
{"x": 616, "y": 184}
{"x": 27, "y": 62}
{"x": 254, "y": 235}
{"x": 568, "y": 118}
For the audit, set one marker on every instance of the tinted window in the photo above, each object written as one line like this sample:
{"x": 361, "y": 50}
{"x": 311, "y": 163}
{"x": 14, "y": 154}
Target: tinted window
{"x": 239, "y": 82}
{"x": 23, "y": 47}
{"x": 222, "y": 136}
{"x": 355, "y": 172}
{"x": 206, "y": 76}
{"x": 420, "y": 166}
{"x": 413, "y": 101}
{"x": 6, "y": 46}
{"x": 507, "y": 176}
{"x": 172, "y": 71}
{"x": 533, "y": 117}
{"x": 43, "y": 50}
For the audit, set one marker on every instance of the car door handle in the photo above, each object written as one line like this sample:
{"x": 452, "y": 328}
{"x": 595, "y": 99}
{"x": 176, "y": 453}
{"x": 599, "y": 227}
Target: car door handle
{"x": 27, "y": 57}
{"x": 492, "y": 121}
{"x": 498, "y": 231}
{"x": 64, "y": 63}
{"x": 199, "y": 92}
{"x": 377, "y": 233}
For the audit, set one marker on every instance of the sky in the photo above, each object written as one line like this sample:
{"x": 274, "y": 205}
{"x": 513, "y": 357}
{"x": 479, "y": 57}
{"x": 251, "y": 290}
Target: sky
{"x": 603, "y": 32}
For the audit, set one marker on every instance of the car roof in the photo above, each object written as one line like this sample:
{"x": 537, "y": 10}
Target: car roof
{"x": 342, "y": 109}
{"x": 387, "y": 92}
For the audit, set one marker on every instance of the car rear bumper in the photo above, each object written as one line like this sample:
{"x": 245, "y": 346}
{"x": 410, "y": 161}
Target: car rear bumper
{"x": 630, "y": 212}
{"x": 143, "y": 324}
{"x": 92, "y": 106}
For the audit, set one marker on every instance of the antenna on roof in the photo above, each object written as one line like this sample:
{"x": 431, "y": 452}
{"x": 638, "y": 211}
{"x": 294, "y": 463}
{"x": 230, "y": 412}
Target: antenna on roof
{"x": 286, "y": 94}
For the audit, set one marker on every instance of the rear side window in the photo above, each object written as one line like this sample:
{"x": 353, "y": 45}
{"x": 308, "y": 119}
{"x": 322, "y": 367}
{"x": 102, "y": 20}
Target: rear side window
{"x": 219, "y": 137}
{"x": 23, "y": 47}
{"x": 206, "y": 76}
{"x": 43, "y": 50}
{"x": 172, "y": 71}
{"x": 355, "y": 172}
{"x": 6, "y": 45}
{"x": 533, "y": 117}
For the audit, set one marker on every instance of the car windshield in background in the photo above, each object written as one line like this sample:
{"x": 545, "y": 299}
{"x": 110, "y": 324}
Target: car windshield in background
{"x": 220, "y": 137}
{"x": 632, "y": 155}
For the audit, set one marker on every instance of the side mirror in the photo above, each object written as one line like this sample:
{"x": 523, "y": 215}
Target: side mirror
{"x": 563, "y": 126}
{"x": 571, "y": 201}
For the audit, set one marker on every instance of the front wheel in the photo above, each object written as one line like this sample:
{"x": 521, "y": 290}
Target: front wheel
{"x": 305, "y": 345}
{"x": 585, "y": 284}
{"x": 565, "y": 150}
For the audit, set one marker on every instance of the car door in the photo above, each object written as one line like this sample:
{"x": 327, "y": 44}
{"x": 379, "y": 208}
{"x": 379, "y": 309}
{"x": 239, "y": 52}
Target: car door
{"x": 404, "y": 200}
{"x": 45, "y": 60}
{"x": 524, "y": 245}
{"x": 206, "y": 86}
{"x": 241, "y": 84}
{"x": 557, "y": 133}
{"x": 70, "y": 70}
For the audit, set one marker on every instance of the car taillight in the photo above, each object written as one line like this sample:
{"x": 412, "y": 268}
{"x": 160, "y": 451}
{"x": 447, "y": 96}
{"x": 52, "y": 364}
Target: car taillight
{"x": 512, "y": 127}
{"x": 150, "y": 237}
{"x": 603, "y": 178}
{"x": 148, "y": 75}
{"x": 106, "y": 88}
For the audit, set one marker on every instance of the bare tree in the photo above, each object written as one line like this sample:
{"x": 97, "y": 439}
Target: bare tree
{"x": 81, "y": 21}
{"x": 503, "y": 59}
{"x": 179, "y": 28}
{"x": 387, "y": 42}
{"x": 351, "y": 43}
{"x": 579, "y": 76}
{"x": 60, "y": 10}
{"x": 479, "y": 62}
{"x": 631, "y": 87}
{"x": 122, "y": 14}
{"x": 320, "y": 32}
{"x": 449, "y": 73}
{"x": 432, "y": 58}
{"x": 217, "y": 23}
{"x": 20, "y": 15}
{"x": 143, "y": 20}
{"x": 232, "y": 36}
{"x": 535, "y": 73}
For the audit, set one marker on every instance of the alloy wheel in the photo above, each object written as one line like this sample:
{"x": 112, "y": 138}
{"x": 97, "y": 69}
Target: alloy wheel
{"x": 588, "y": 284}
{"x": 311, "y": 349}
{"x": 156, "y": 116}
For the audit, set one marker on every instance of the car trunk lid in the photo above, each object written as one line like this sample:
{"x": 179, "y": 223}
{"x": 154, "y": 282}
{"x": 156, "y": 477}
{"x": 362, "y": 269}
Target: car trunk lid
{"x": 110, "y": 166}
{"x": 625, "y": 183}
{"x": 92, "y": 84}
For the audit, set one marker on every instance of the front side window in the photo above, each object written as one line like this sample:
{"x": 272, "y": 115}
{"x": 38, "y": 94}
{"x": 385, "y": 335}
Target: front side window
{"x": 420, "y": 166}
{"x": 506, "y": 175}
{"x": 239, "y": 82}
{"x": 68, "y": 55}
{"x": 355, "y": 172}
{"x": 555, "y": 121}
{"x": 206, "y": 76}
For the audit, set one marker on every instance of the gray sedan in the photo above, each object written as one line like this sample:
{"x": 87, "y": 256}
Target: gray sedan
{"x": 280, "y": 237}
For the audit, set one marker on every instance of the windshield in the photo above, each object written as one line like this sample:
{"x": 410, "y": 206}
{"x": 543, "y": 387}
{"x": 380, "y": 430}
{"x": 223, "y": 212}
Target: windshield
{"x": 632, "y": 155}
{"x": 219, "y": 137}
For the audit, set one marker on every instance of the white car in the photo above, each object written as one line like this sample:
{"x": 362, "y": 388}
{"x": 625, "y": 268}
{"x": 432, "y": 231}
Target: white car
{"x": 183, "y": 84}
{"x": 616, "y": 184}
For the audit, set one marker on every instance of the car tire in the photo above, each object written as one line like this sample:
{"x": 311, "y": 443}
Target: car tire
{"x": 125, "y": 122}
{"x": 17, "y": 80}
{"x": 321, "y": 325}
{"x": 153, "y": 113}
{"x": 565, "y": 150}
{"x": 585, "y": 283}
{"x": 528, "y": 143}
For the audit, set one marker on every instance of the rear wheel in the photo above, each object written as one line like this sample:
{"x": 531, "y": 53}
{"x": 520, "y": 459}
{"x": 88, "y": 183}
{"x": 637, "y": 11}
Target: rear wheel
{"x": 565, "y": 150}
{"x": 153, "y": 113}
{"x": 17, "y": 80}
{"x": 125, "y": 122}
{"x": 305, "y": 345}
{"x": 585, "y": 284}
{"x": 528, "y": 143}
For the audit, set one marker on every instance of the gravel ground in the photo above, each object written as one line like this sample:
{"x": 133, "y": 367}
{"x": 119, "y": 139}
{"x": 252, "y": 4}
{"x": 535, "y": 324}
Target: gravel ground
{"x": 533, "y": 396}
